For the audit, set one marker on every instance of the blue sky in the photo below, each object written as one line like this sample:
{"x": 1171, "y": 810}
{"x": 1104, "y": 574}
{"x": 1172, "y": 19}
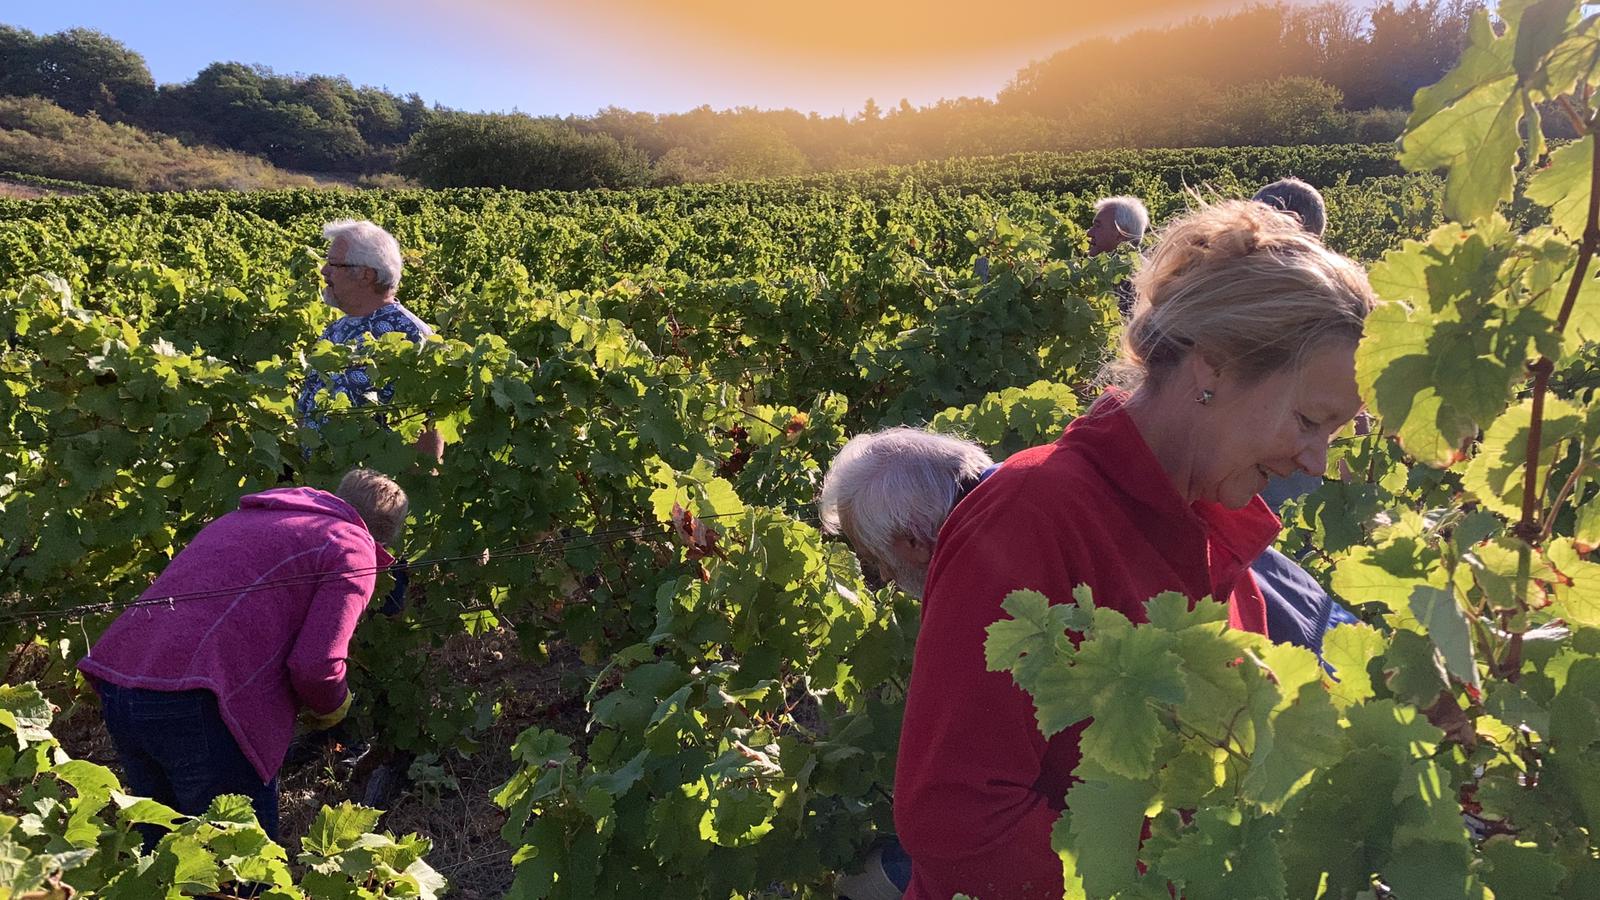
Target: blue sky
{"x": 559, "y": 56}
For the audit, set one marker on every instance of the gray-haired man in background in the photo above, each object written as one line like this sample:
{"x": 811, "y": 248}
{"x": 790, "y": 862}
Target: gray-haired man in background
{"x": 360, "y": 278}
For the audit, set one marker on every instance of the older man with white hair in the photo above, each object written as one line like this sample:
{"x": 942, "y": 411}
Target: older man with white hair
{"x": 361, "y": 276}
{"x": 1117, "y": 220}
{"x": 889, "y": 493}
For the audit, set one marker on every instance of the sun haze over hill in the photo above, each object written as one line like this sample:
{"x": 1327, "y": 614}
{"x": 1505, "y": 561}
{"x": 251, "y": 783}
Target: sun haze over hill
{"x": 820, "y": 56}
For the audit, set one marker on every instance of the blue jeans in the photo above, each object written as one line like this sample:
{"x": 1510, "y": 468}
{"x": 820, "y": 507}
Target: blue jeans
{"x": 175, "y": 748}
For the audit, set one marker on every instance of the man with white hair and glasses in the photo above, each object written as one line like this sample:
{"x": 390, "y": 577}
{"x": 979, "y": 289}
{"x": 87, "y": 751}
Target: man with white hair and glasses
{"x": 361, "y": 276}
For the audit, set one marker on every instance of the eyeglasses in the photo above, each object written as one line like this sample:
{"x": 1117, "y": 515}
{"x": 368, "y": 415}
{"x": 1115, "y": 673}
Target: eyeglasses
{"x": 334, "y": 265}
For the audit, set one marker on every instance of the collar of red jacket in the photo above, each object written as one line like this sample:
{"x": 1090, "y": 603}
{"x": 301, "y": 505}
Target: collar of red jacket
{"x": 1107, "y": 436}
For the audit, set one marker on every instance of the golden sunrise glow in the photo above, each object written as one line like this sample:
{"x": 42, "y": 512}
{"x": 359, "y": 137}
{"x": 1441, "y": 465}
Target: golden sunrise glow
{"x": 826, "y": 56}
{"x": 774, "y": 54}
{"x": 878, "y": 31}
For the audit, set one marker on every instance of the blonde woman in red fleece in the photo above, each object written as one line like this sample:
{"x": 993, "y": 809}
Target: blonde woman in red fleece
{"x": 1237, "y": 365}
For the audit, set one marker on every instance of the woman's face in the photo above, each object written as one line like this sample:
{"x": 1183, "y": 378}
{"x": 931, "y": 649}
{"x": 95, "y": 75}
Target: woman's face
{"x": 1275, "y": 426}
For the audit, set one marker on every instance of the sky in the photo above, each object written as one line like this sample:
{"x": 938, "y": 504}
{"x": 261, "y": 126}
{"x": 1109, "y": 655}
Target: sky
{"x": 561, "y": 56}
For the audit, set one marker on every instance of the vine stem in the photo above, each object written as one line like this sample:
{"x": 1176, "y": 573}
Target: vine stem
{"x": 1561, "y": 497}
{"x": 1565, "y": 102}
{"x": 1530, "y": 528}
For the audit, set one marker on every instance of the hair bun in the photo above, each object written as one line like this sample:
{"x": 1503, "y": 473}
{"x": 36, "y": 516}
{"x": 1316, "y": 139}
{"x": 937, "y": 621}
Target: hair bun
{"x": 1230, "y": 230}
{"x": 1244, "y": 284}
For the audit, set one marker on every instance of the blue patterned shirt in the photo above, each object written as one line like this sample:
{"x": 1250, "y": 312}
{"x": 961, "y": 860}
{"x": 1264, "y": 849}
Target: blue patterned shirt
{"x": 353, "y": 382}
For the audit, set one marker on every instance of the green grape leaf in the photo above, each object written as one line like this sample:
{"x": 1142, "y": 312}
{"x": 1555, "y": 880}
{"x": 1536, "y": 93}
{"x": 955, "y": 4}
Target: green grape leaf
{"x": 1107, "y": 819}
{"x": 1172, "y": 611}
{"x": 1575, "y": 711}
{"x": 1495, "y": 475}
{"x": 1291, "y": 746}
{"x": 1428, "y": 808}
{"x": 231, "y": 808}
{"x": 1432, "y": 855}
{"x": 1533, "y": 128}
{"x": 1578, "y": 592}
{"x": 1447, "y": 626}
{"x": 1034, "y": 636}
{"x": 1292, "y": 668}
{"x": 1325, "y": 843}
{"x": 1386, "y": 574}
{"x": 1574, "y": 58}
{"x": 1220, "y": 858}
{"x": 1398, "y": 378}
{"x": 1349, "y": 649}
{"x": 1504, "y": 569}
{"x": 1388, "y": 726}
{"x": 1486, "y": 58}
{"x": 1061, "y": 843}
{"x": 1126, "y": 736}
{"x": 143, "y": 811}
{"x": 1563, "y": 186}
{"x": 196, "y": 867}
{"x": 1540, "y": 27}
{"x": 88, "y": 779}
{"x": 1521, "y": 870}
{"x": 1583, "y": 323}
{"x": 1511, "y": 704}
{"x": 336, "y": 828}
{"x": 1119, "y": 675}
{"x": 739, "y": 816}
{"x": 1189, "y": 777}
{"x": 1214, "y": 690}
{"x": 427, "y": 882}
{"x": 1413, "y": 670}
{"x": 1432, "y": 871}
{"x": 1476, "y": 140}
{"x": 26, "y": 712}
{"x": 1586, "y": 528}
{"x": 1457, "y": 265}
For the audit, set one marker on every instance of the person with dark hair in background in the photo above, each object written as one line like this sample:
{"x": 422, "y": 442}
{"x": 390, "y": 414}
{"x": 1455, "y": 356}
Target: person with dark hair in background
{"x": 1293, "y": 196}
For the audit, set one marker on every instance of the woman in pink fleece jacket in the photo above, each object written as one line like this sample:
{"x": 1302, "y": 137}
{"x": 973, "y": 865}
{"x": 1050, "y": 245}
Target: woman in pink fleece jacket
{"x": 200, "y": 694}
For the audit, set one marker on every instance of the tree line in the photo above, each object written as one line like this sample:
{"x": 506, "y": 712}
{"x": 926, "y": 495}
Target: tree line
{"x": 314, "y": 122}
{"x": 1274, "y": 74}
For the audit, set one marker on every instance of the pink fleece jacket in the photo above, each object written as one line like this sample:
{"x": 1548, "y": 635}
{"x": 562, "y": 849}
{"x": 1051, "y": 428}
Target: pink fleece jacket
{"x": 290, "y": 572}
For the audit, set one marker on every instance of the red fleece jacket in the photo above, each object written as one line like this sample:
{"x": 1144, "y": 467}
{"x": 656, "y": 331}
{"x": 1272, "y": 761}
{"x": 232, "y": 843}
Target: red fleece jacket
{"x": 977, "y": 787}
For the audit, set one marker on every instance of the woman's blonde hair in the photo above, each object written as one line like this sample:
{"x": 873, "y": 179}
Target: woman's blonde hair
{"x": 1246, "y": 287}
{"x": 380, "y": 502}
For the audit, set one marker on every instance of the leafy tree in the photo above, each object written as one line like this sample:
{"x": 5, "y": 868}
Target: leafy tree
{"x": 79, "y": 69}
{"x": 1378, "y": 59}
{"x": 518, "y": 151}
{"x": 300, "y": 122}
